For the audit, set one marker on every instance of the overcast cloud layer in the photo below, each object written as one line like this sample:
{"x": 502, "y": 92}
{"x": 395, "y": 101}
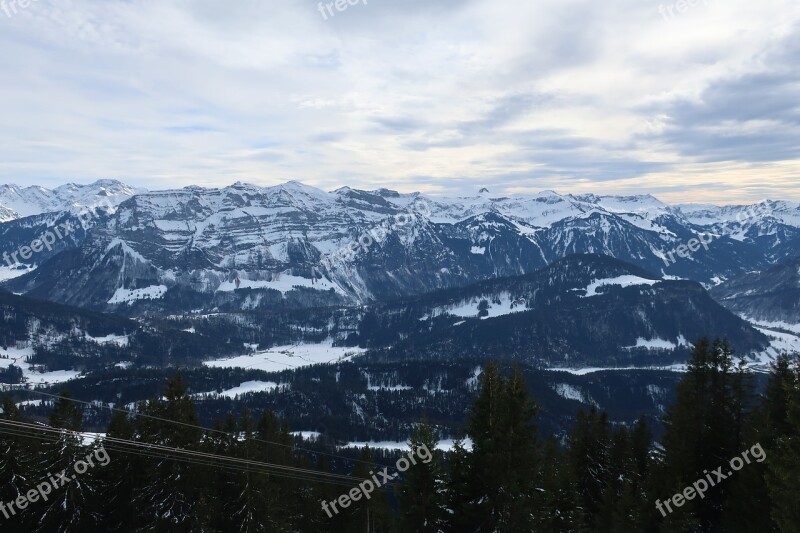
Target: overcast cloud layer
{"x": 433, "y": 95}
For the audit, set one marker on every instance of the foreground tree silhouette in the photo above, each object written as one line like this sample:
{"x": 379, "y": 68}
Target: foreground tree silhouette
{"x": 498, "y": 491}
{"x": 74, "y": 507}
{"x": 172, "y": 498}
{"x": 704, "y": 430}
{"x": 784, "y": 464}
{"x": 16, "y": 463}
{"x": 422, "y": 496}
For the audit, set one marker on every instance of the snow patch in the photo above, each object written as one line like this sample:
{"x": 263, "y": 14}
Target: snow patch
{"x": 794, "y": 328}
{"x": 502, "y": 304}
{"x": 284, "y": 283}
{"x": 622, "y": 281}
{"x": 17, "y": 357}
{"x": 569, "y": 392}
{"x": 119, "y": 340}
{"x": 592, "y": 369}
{"x": 8, "y": 272}
{"x": 128, "y": 296}
{"x": 292, "y": 356}
{"x": 443, "y": 445}
{"x": 247, "y": 387}
{"x": 653, "y": 344}
{"x": 307, "y": 435}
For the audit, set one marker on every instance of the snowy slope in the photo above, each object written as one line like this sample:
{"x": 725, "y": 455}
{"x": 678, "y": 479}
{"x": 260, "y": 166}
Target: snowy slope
{"x": 16, "y": 201}
{"x": 254, "y": 247}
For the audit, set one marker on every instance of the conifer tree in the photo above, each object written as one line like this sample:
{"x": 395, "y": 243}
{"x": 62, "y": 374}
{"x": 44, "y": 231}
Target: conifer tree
{"x": 705, "y": 429}
{"x": 459, "y": 489}
{"x": 503, "y": 466}
{"x": 368, "y": 514}
{"x": 589, "y": 448}
{"x": 75, "y": 506}
{"x": 247, "y": 510}
{"x": 121, "y": 478}
{"x": 280, "y": 507}
{"x": 171, "y": 497}
{"x": 557, "y": 499}
{"x": 421, "y": 496}
{"x": 16, "y": 466}
{"x": 784, "y": 463}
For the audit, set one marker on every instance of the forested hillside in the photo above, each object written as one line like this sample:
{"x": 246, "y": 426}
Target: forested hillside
{"x": 160, "y": 470}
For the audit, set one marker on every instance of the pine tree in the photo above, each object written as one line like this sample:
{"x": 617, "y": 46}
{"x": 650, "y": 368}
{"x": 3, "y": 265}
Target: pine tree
{"x": 171, "y": 498}
{"x": 371, "y": 514}
{"x": 121, "y": 477}
{"x": 16, "y": 462}
{"x": 589, "y": 448}
{"x": 459, "y": 489}
{"x": 74, "y": 507}
{"x": 421, "y": 496}
{"x": 247, "y": 511}
{"x": 705, "y": 429}
{"x": 557, "y": 499}
{"x": 280, "y": 506}
{"x": 784, "y": 463}
{"x": 750, "y": 495}
{"x": 644, "y": 518}
{"x": 503, "y": 462}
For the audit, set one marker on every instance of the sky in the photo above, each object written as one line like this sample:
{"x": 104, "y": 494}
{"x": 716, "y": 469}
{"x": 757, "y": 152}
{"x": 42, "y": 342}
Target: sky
{"x": 691, "y": 101}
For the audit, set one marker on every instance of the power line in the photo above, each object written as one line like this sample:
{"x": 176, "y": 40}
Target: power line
{"x": 159, "y": 447}
{"x": 157, "y": 455}
{"x": 185, "y": 424}
{"x": 198, "y": 457}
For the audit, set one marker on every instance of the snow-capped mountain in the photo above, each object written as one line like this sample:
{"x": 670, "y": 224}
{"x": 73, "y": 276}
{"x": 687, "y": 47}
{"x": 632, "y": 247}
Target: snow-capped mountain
{"x": 7, "y": 215}
{"x": 250, "y": 247}
{"x": 582, "y": 310}
{"x": 18, "y": 202}
{"x": 771, "y": 297}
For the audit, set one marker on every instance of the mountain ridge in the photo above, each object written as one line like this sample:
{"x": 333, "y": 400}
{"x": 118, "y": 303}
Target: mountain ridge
{"x": 284, "y": 240}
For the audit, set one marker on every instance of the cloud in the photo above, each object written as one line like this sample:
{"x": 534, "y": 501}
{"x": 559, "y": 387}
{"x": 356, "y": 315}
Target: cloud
{"x": 446, "y": 96}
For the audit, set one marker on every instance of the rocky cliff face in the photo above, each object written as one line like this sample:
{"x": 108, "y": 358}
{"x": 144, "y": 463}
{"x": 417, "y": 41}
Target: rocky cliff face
{"x": 292, "y": 245}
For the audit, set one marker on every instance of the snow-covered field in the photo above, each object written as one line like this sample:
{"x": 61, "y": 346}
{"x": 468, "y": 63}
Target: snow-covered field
{"x": 794, "y": 328}
{"x": 622, "y": 281}
{"x": 571, "y": 392}
{"x": 388, "y": 387}
{"x": 780, "y": 343}
{"x": 119, "y": 340}
{"x": 469, "y": 309}
{"x": 591, "y": 369}
{"x": 17, "y": 356}
{"x": 244, "y": 388}
{"x": 307, "y": 435}
{"x": 445, "y": 445}
{"x": 7, "y": 272}
{"x": 88, "y": 437}
{"x": 127, "y": 296}
{"x": 659, "y": 344}
{"x": 284, "y": 284}
{"x": 292, "y": 356}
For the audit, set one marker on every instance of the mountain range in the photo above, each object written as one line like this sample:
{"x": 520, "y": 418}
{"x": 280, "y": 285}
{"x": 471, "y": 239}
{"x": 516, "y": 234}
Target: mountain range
{"x": 295, "y": 246}
{"x": 353, "y": 312}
